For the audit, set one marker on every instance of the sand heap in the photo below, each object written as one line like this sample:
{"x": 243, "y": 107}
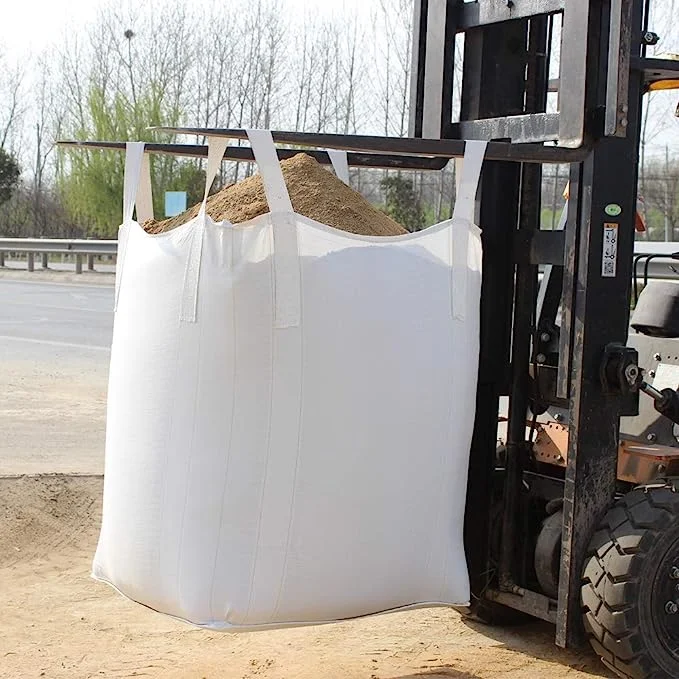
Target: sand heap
{"x": 315, "y": 193}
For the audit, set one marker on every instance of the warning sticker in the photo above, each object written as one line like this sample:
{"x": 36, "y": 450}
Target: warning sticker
{"x": 609, "y": 256}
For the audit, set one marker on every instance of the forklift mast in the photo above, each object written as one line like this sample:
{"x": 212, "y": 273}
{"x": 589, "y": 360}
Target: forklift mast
{"x": 505, "y": 87}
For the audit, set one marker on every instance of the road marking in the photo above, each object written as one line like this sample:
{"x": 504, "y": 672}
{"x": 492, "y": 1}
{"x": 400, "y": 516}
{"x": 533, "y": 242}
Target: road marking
{"x": 53, "y": 343}
{"x": 26, "y": 321}
{"x": 58, "y": 284}
{"x": 61, "y": 308}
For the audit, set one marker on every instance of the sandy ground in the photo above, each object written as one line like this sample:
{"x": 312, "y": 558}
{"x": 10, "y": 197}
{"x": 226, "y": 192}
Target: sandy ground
{"x": 14, "y": 271}
{"x": 52, "y": 415}
{"x": 57, "y": 622}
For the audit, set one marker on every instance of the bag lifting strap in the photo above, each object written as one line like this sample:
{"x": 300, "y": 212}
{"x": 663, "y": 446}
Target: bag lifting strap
{"x": 287, "y": 281}
{"x": 340, "y": 164}
{"x": 137, "y": 192}
{"x": 189, "y": 304}
{"x": 467, "y": 174}
{"x": 286, "y": 293}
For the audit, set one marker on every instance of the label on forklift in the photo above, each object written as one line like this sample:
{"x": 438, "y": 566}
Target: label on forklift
{"x": 609, "y": 255}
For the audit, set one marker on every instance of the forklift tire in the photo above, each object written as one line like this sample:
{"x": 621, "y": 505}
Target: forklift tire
{"x": 630, "y": 589}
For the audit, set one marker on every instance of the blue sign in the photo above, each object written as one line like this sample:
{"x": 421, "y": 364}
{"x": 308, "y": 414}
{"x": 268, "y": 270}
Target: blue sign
{"x": 175, "y": 203}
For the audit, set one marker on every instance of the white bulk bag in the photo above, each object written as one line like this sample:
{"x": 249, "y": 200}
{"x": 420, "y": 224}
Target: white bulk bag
{"x": 290, "y": 411}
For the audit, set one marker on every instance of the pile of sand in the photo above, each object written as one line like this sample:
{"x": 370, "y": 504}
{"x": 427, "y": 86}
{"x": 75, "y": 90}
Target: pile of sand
{"x": 47, "y": 514}
{"x": 315, "y": 192}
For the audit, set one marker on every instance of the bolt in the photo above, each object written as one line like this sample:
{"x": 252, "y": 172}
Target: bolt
{"x": 671, "y": 608}
{"x": 674, "y": 573}
{"x": 651, "y": 373}
{"x": 545, "y": 337}
{"x": 656, "y": 357}
{"x": 650, "y": 38}
{"x": 631, "y": 374}
{"x": 540, "y": 358}
{"x": 558, "y": 417}
{"x": 661, "y": 469}
{"x": 651, "y": 437}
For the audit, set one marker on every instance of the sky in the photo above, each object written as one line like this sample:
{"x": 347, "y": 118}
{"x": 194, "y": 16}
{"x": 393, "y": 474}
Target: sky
{"x": 43, "y": 21}
{"x": 27, "y": 27}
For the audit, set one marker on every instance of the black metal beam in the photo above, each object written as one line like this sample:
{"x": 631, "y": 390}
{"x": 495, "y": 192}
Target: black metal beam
{"x": 532, "y": 603}
{"x": 492, "y": 86}
{"x": 654, "y": 70}
{"x": 569, "y": 285}
{"x": 244, "y": 153}
{"x": 600, "y": 316}
{"x": 419, "y": 53}
{"x": 513, "y": 543}
{"x": 539, "y": 247}
{"x": 484, "y": 12}
{"x": 442, "y": 148}
{"x": 549, "y": 297}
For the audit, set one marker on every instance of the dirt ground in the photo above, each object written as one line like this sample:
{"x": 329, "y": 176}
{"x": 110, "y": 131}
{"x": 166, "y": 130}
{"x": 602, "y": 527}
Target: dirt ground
{"x": 57, "y": 622}
{"x": 52, "y": 418}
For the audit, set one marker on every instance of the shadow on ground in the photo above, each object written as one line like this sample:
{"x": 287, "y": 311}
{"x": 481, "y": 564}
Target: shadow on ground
{"x": 444, "y": 672}
{"x": 536, "y": 640}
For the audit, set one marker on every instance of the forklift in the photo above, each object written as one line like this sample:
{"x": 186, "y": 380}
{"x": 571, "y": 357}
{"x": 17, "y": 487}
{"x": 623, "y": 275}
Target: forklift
{"x": 574, "y": 517}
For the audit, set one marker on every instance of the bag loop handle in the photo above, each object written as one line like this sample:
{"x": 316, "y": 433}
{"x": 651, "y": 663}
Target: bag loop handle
{"x": 137, "y": 191}
{"x": 467, "y": 175}
{"x": 216, "y": 147}
{"x": 287, "y": 276}
{"x": 340, "y": 164}
{"x": 286, "y": 293}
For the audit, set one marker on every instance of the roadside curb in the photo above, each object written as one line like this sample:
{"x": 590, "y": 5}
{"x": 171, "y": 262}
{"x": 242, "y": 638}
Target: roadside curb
{"x": 103, "y": 279}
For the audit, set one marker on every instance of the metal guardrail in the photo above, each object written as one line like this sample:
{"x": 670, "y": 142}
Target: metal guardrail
{"x": 658, "y": 260}
{"x": 79, "y": 247}
{"x": 660, "y": 267}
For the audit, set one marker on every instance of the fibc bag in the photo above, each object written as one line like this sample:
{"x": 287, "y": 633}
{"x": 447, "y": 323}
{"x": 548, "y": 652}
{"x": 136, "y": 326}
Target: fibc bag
{"x": 290, "y": 411}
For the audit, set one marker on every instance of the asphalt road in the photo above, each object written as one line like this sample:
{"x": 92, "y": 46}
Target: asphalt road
{"x": 54, "y": 353}
{"x": 53, "y": 315}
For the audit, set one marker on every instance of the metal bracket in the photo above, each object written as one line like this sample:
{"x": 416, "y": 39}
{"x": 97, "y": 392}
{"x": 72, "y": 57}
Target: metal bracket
{"x": 620, "y": 372}
{"x": 621, "y": 376}
{"x": 539, "y": 247}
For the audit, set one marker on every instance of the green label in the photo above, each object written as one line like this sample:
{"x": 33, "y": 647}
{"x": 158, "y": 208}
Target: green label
{"x": 612, "y": 209}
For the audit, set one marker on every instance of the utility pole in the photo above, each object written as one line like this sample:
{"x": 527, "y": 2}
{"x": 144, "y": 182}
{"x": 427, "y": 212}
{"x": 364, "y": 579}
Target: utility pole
{"x": 668, "y": 236}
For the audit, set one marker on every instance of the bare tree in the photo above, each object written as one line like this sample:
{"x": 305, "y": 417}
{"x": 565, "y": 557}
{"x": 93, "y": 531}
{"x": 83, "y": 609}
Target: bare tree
{"x": 392, "y": 26}
{"x": 662, "y": 196}
{"x": 12, "y": 107}
{"x": 658, "y": 108}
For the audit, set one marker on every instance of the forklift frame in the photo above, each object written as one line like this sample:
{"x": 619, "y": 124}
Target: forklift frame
{"x": 505, "y": 83}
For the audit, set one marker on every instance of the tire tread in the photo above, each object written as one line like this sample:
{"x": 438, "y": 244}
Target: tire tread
{"x": 611, "y": 579}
